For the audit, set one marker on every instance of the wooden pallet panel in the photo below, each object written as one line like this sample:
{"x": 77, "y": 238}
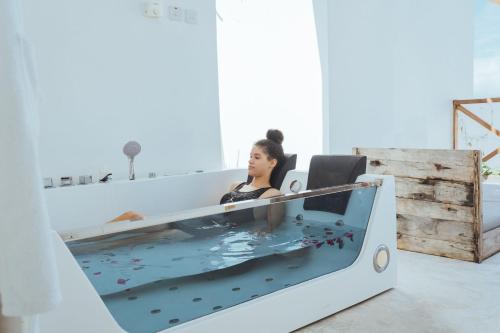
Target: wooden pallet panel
{"x": 437, "y": 198}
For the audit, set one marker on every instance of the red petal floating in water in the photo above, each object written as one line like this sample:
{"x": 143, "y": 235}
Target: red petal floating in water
{"x": 97, "y": 273}
{"x": 331, "y": 242}
{"x": 319, "y": 245}
{"x": 121, "y": 281}
{"x": 348, "y": 234}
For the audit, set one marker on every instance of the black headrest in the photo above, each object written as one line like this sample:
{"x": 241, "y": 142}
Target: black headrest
{"x": 333, "y": 170}
{"x": 289, "y": 162}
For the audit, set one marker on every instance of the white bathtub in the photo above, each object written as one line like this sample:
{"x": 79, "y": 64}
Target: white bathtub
{"x": 83, "y": 310}
{"x": 81, "y": 206}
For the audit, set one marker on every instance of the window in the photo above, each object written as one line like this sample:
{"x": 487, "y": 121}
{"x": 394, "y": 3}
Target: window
{"x": 269, "y": 77}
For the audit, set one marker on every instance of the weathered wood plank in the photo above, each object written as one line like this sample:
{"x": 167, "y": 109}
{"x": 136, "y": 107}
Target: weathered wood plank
{"x": 478, "y": 208}
{"x": 436, "y": 247}
{"x": 445, "y": 156}
{"x": 424, "y": 227}
{"x": 491, "y": 243}
{"x": 477, "y": 100}
{"x": 435, "y": 210}
{"x": 424, "y": 170}
{"x": 455, "y": 126}
{"x": 491, "y": 155}
{"x": 435, "y": 190}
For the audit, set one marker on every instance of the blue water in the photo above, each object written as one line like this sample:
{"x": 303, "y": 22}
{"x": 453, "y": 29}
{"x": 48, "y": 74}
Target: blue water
{"x": 155, "y": 279}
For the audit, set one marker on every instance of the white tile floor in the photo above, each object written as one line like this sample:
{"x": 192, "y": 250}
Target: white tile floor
{"x": 433, "y": 294}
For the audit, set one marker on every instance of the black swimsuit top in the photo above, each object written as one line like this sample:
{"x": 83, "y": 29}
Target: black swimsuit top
{"x": 236, "y": 195}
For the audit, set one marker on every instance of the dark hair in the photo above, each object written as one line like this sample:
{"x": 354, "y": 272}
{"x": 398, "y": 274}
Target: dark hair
{"x": 272, "y": 145}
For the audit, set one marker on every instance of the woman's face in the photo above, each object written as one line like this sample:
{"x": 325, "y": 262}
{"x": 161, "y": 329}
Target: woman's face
{"x": 259, "y": 164}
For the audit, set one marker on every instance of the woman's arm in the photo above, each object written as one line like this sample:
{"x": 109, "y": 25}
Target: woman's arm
{"x": 273, "y": 213}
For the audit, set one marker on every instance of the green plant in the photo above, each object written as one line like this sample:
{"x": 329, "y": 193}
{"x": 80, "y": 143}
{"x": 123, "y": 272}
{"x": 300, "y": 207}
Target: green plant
{"x": 487, "y": 171}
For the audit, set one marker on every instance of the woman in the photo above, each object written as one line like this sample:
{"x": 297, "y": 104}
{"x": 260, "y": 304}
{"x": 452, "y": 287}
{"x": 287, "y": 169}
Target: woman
{"x": 265, "y": 158}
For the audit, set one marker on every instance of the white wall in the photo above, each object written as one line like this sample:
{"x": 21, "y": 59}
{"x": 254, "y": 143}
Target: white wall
{"x": 433, "y": 66}
{"x": 108, "y": 74}
{"x": 395, "y": 66}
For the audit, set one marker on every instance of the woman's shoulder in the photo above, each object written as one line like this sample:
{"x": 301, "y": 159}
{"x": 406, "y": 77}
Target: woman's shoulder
{"x": 234, "y": 185}
{"x": 272, "y": 192}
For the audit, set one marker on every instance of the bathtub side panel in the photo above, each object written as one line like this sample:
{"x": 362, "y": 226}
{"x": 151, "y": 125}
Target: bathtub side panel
{"x": 305, "y": 303}
{"x": 81, "y": 309}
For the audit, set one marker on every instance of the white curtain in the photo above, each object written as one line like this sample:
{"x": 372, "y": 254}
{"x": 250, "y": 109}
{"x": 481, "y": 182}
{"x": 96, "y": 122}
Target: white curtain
{"x": 28, "y": 276}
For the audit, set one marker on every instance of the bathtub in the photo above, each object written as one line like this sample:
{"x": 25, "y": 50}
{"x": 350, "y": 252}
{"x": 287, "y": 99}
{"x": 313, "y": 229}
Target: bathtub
{"x": 314, "y": 262}
{"x": 82, "y": 206}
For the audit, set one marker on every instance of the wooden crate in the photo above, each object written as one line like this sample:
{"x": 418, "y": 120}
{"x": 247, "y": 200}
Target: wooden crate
{"x": 438, "y": 200}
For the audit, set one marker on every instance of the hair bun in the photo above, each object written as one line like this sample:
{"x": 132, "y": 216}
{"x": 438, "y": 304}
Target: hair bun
{"x": 275, "y": 135}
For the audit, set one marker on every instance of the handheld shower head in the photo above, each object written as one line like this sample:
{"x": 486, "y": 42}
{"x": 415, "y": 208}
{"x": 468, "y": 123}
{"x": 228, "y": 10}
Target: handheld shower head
{"x": 131, "y": 150}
